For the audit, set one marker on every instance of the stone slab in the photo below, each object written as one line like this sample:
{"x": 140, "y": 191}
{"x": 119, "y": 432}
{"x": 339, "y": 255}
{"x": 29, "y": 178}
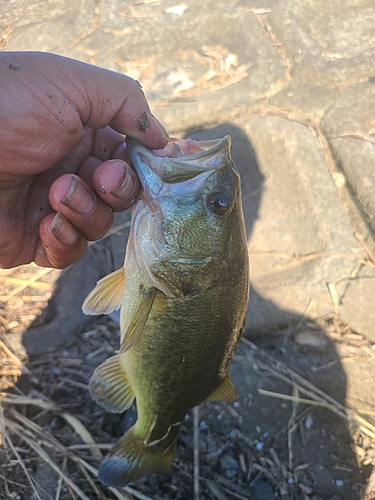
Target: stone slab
{"x": 329, "y": 43}
{"x": 357, "y": 159}
{"x": 352, "y": 114}
{"x": 358, "y": 302}
{"x": 291, "y": 207}
{"x": 203, "y": 64}
{"x": 50, "y": 28}
{"x": 304, "y": 100}
{"x": 18, "y": 13}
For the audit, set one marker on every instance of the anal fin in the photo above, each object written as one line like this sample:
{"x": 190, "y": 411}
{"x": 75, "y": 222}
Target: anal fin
{"x": 225, "y": 391}
{"x": 109, "y": 385}
{"x": 107, "y": 295}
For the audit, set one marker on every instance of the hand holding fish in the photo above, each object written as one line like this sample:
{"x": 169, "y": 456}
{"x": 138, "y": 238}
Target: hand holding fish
{"x": 63, "y": 162}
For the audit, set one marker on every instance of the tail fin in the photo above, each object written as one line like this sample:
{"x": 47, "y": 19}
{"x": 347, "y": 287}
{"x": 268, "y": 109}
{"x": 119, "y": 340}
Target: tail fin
{"x": 131, "y": 459}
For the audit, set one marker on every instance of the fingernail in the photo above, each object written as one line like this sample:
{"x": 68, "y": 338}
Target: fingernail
{"x": 125, "y": 184}
{"x": 79, "y": 198}
{"x": 162, "y": 128}
{"x": 63, "y": 230}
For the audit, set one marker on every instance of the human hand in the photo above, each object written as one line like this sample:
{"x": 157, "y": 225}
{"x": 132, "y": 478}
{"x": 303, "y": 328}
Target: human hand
{"x": 63, "y": 160}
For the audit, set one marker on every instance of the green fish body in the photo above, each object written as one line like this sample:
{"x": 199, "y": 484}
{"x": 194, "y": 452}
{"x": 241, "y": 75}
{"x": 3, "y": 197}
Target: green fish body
{"x": 183, "y": 293}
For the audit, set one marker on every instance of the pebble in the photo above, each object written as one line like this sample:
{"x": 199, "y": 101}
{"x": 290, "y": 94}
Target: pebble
{"x": 15, "y": 304}
{"x": 12, "y": 324}
{"x": 258, "y": 445}
{"x": 227, "y": 462}
{"x": 262, "y": 490}
{"x": 310, "y": 338}
{"x": 308, "y": 421}
{"x": 203, "y": 425}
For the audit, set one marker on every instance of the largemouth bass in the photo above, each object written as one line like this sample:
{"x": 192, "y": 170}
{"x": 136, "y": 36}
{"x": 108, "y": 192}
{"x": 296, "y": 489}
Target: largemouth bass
{"x": 183, "y": 293}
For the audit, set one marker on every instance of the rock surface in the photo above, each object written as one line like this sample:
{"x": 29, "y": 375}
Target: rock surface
{"x": 294, "y": 85}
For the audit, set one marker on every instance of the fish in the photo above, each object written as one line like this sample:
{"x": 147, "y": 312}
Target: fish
{"x": 183, "y": 293}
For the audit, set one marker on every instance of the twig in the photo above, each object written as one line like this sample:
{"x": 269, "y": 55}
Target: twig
{"x": 234, "y": 494}
{"x": 214, "y": 488}
{"x": 100, "y": 446}
{"x": 59, "y": 482}
{"x": 62, "y": 449}
{"x": 284, "y": 373}
{"x": 74, "y": 383}
{"x": 19, "y": 459}
{"x": 196, "y": 452}
{"x": 311, "y": 256}
{"x": 17, "y": 281}
{"x": 291, "y": 426}
{"x": 78, "y": 427}
{"x": 20, "y": 433}
{"x": 334, "y": 297}
{"x": 26, "y": 283}
{"x": 81, "y": 430}
{"x": 9, "y": 353}
{"x": 119, "y": 495}
{"x": 296, "y": 399}
{"x": 367, "y": 249}
{"x": 92, "y": 484}
{"x": 6, "y": 481}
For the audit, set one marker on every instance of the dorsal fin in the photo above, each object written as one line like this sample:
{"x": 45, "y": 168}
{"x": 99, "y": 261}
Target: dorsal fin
{"x": 107, "y": 295}
{"x": 137, "y": 325}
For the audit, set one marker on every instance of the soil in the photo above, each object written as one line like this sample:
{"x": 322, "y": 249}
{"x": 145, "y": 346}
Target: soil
{"x": 263, "y": 447}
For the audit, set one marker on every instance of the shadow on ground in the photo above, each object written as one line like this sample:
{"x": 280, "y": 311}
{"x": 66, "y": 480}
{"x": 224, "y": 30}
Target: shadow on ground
{"x": 324, "y": 450}
{"x": 319, "y": 451}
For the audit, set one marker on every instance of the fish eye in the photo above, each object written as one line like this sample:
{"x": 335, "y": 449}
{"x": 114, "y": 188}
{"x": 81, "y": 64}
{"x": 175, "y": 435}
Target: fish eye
{"x": 219, "y": 203}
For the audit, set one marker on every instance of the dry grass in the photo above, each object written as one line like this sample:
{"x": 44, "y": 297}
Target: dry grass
{"x": 71, "y": 443}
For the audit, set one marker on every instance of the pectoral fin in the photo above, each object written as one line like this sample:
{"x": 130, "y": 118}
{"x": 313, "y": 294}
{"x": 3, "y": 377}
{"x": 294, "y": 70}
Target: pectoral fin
{"x": 225, "y": 391}
{"x": 107, "y": 295}
{"x": 140, "y": 317}
{"x": 109, "y": 385}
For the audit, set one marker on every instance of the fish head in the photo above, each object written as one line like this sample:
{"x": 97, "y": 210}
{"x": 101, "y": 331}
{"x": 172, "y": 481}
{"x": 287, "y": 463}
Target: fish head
{"x": 188, "y": 221}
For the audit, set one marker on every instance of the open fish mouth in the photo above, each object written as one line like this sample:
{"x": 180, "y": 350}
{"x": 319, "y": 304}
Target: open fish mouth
{"x": 177, "y": 148}
{"x": 183, "y": 159}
